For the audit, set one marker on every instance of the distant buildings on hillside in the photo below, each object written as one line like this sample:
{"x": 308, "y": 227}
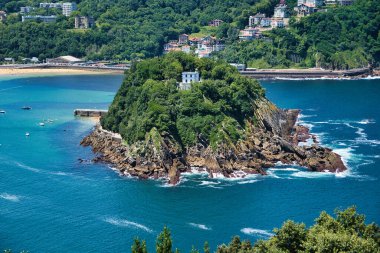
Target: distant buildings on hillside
{"x": 68, "y": 8}
{"x": 306, "y": 7}
{"x": 84, "y": 22}
{"x": 310, "y": 3}
{"x": 259, "y": 22}
{"x": 202, "y": 47}
{"x": 26, "y": 9}
{"x": 3, "y": 16}
{"x": 51, "y": 5}
{"x": 46, "y": 19}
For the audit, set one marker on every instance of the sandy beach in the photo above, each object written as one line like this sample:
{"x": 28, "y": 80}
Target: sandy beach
{"x": 52, "y": 71}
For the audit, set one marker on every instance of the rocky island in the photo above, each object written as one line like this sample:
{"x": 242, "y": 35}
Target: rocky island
{"x": 223, "y": 123}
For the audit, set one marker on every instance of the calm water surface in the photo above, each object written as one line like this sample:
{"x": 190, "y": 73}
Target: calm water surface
{"x": 50, "y": 202}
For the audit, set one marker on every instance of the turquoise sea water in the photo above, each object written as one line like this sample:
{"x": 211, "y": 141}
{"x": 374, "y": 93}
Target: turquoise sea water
{"x": 50, "y": 202}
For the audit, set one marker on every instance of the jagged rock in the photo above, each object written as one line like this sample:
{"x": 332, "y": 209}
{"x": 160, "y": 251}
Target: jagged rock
{"x": 273, "y": 139}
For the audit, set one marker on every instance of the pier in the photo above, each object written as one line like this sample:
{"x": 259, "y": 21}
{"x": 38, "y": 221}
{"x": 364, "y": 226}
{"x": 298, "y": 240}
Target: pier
{"x": 89, "y": 112}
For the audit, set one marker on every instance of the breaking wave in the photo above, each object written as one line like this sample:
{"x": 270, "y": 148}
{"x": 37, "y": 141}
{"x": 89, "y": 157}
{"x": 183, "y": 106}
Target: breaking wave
{"x": 199, "y": 226}
{"x": 10, "y": 197}
{"x": 127, "y": 223}
{"x": 259, "y": 232}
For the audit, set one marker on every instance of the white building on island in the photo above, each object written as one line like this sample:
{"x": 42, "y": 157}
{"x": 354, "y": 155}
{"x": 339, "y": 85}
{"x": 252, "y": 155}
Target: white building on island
{"x": 188, "y": 78}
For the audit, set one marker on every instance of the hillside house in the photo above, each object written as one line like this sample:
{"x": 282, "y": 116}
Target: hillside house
{"x": 281, "y": 10}
{"x": 188, "y": 78}
{"x": 183, "y": 39}
{"x": 215, "y": 22}
{"x": 3, "y": 16}
{"x": 249, "y": 33}
{"x": 255, "y": 20}
{"x": 26, "y": 9}
{"x": 277, "y": 23}
{"x": 68, "y": 8}
{"x": 304, "y": 10}
{"x": 310, "y": 3}
{"x": 84, "y": 22}
{"x": 265, "y": 22}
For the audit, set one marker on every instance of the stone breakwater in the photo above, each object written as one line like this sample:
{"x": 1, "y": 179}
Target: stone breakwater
{"x": 273, "y": 138}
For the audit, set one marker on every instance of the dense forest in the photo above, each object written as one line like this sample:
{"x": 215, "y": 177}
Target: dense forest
{"x": 126, "y": 29}
{"x": 214, "y": 110}
{"x": 341, "y": 38}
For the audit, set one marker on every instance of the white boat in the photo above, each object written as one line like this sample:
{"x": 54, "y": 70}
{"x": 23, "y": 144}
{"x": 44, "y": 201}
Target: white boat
{"x": 1, "y": 111}
{"x": 27, "y": 134}
{"x": 42, "y": 124}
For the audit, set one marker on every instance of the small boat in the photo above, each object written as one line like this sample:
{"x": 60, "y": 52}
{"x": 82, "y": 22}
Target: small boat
{"x": 26, "y": 108}
{"x": 42, "y": 124}
{"x": 27, "y": 134}
{"x": 1, "y": 111}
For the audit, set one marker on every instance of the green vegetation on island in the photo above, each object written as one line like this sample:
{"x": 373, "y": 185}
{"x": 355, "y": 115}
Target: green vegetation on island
{"x": 340, "y": 38}
{"x": 345, "y": 233}
{"x": 215, "y": 109}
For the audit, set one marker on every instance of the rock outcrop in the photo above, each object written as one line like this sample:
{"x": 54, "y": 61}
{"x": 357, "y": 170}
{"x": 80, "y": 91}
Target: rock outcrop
{"x": 273, "y": 138}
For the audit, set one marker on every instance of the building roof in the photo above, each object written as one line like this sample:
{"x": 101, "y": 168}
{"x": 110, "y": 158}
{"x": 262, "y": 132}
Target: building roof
{"x": 70, "y": 58}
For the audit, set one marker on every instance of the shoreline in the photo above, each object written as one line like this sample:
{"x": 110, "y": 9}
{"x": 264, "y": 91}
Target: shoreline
{"x": 260, "y": 74}
{"x": 24, "y": 72}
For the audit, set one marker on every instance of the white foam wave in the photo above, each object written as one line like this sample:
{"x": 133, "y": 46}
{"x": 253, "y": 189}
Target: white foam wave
{"x": 199, "y": 226}
{"x": 345, "y": 153}
{"x": 254, "y": 231}
{"x": 127, "y": 223}
{"x": 371, "y": 77}
{"x": 27, "y": 167}
{"x": 283, "y": 169}
{"x": 205, "y": 183}
{"x": 248, "y": 181}
{"x": 10, "y": 197}
{"x": 311, "y": 174}
{"x": 235, "y": 176}
{"x": 195, "y": 171}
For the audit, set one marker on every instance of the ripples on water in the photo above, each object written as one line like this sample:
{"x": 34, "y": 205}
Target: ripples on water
{"x": 49, "y": 202}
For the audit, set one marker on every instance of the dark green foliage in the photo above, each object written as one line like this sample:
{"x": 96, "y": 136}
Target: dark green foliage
{"x": 341, "y": 38}
{"x": 164, "y": 242}
{"x": 345, "y": 233}
{"x": 126, "y": 29}
{"x": 215, "y": 109}
{"x": 139, "y": 246}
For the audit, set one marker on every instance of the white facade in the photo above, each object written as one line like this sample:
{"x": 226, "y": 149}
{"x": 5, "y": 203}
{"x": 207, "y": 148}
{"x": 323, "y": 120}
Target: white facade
{"x": 265, "y": 22}
{"x": 26, "y": 9}
{"x": 281, "y": 11}
{"x": 46, "y": 19}
{"x": 51, "y": 5}
{"x": 310, "y": 3}
{"x": 67, "y": 8}
{"x": 190, "y": 77}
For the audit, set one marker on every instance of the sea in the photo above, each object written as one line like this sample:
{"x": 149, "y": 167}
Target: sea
{"x": 53, "y": 198}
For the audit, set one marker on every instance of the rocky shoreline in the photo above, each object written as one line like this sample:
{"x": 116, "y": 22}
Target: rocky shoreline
{"x": 273, "y": 138}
